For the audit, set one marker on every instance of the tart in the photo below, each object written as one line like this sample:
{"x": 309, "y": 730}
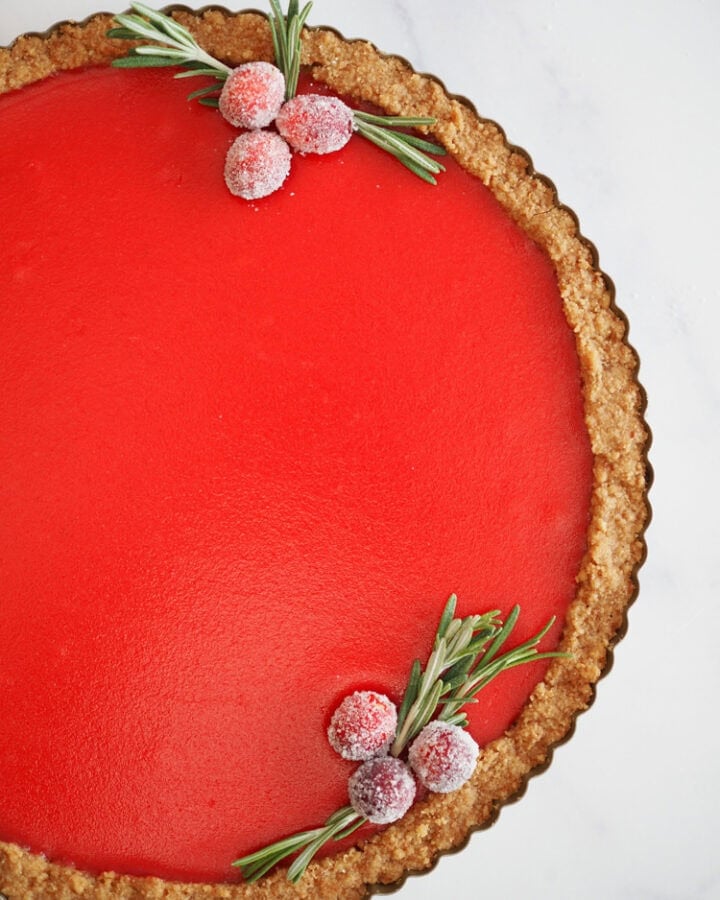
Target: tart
{"x": 251, "y": 447}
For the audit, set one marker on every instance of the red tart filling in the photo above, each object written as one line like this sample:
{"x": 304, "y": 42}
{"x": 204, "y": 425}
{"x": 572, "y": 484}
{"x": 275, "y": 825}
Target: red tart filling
{"x": 248, "y": 450}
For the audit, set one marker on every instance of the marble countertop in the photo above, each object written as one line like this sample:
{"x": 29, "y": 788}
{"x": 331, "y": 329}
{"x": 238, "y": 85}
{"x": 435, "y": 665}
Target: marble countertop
{"x": 617, "y": 103}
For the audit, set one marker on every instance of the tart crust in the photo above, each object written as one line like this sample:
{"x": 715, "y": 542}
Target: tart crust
{"x": 614, "y": 405}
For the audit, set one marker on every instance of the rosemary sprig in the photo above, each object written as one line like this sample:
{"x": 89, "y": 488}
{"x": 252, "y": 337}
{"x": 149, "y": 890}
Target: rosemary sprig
{"x": 465, "y": 658}
{"x": 340, "y": 825}
{"x": 180, "y": 49}
{"x": 460, "y": 665}
{"x": 488, "y": 666}
{"x": 409, "y": 149}
{"x": 173, "y": 45}
{"x": 286, "y": 29}
{"x": 458, "y": 643}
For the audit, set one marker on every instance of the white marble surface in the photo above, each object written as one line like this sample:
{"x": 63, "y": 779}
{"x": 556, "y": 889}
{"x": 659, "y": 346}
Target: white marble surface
{"x": 618, "y": 103}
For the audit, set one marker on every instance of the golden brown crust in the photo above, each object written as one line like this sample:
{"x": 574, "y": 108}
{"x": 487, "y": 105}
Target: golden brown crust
{"x": 614, "y": 414}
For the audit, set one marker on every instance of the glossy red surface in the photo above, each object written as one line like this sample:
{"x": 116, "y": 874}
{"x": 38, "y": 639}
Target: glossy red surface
{"x": 248, "y": 450}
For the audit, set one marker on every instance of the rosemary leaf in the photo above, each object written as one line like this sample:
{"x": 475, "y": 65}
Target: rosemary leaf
{"x": 417, "y": 170}
{"x": 459, "y": 648}
{"x": 397, "y": 121}
{"x": 194, "y": 69}
{"x": 142, "y": 62}
{"x": 503, "y": 634}
{"x": 451, "y": 631}
{"x": 279, "y": 34}
{"x": 169, "y": 52}
{"x": 426, "y": 711}
{"x": 457, "y": 676}
{"x": 410, "y": 692}
{"x": 425, "y": 146}
{"x": 201, "y": 92}
{"x": 449, "y": 611}
{"x": 297, "y": 21}
{"x": 361, "y": 820}
{"x": 139, "y": 28}
{"x": 459, "y": 719}
{"x": 121, "y": 34}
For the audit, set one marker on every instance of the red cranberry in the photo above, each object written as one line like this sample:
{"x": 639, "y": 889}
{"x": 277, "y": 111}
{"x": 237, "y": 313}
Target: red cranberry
{"x": 443, "y": 757}
{"x": 313, "y": 123}
{"x": 257, "y": 163}
{"x": 363, "y": 725}
{"x": 252, "y": 95}
{"x": 382, "y": 790}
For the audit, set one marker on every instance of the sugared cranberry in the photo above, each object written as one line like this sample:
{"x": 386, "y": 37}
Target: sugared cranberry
{"x": 363, "y": 725}
{"x": 382, "y": 790}
{"x": 312, "y": 123}
{"x": 252, "y": 95}
{"x": 257, "y": 163}
{"x": 443, "y": 757}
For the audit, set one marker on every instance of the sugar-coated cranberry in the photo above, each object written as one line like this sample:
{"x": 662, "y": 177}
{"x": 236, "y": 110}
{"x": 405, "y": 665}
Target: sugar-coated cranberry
{"x": 257, "y": 163}
{"x": 443, "y": 757}
{"x": 312, "y": 123}
{"x": 252, "y": 95}
{"x": 382, "y": 790}
{"x": 363, "y": 725}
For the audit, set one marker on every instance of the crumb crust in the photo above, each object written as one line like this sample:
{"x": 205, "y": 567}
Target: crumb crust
{"x": 614, "y": 407}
